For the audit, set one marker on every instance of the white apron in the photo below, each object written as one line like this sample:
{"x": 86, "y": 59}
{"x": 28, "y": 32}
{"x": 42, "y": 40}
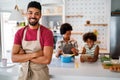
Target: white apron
{"x": 29, "y": 70}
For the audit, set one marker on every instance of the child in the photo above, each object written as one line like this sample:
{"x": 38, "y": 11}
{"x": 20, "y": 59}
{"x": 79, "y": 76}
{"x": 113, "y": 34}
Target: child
{"x": 90, "y": 50}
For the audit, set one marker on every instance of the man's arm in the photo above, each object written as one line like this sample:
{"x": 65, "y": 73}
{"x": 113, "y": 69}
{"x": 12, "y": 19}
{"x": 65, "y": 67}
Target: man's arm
{"x": 21, "y": 57}
{"x": 46, "y": 58}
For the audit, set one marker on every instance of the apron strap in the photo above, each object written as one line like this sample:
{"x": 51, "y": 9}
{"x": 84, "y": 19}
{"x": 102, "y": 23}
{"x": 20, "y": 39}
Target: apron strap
{"x": 38, "y": 33}
{"x": 24, "y": 33}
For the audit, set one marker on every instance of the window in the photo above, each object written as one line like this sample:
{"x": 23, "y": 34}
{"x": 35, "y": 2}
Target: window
{"x": 7, "y": 35}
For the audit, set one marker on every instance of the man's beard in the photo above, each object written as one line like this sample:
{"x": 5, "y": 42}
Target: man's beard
{"x": 33, "y": 23}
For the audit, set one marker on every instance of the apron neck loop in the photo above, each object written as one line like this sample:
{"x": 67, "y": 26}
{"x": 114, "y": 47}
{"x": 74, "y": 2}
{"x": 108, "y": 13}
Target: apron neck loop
{"x": 38, "y": 33}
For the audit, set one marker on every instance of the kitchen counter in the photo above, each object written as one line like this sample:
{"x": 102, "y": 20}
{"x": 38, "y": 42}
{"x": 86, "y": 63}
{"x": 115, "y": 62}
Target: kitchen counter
{"x": 67, "y": 71}
{"x": 91, "y": 71}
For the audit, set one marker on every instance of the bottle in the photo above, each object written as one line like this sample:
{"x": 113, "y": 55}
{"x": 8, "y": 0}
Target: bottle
{"x": 76, "y": 63}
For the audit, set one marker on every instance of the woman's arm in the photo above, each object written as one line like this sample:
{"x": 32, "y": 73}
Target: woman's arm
{"x": 75, "y": 48}
{"x": 58, "y": 49}
{"x": 58, "y": 53}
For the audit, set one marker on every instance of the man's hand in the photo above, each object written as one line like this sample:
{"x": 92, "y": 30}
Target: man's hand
{"x": 21, "y": 51}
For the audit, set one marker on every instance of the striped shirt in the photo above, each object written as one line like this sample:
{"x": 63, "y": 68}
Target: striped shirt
{"x": 90, "y": 50}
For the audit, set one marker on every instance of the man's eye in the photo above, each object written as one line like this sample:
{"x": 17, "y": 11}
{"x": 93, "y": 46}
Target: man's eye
{"x": 29, "y": 13}
{"x": 36, "y": 13}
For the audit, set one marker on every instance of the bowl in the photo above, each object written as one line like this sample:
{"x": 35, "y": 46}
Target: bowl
{"x": 66, "y": 58}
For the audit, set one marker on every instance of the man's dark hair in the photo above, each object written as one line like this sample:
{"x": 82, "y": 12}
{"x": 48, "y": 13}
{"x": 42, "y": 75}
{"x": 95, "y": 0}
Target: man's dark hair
{"x": 65, "y": 27}
{"x": 89, "y": 35}
{"x": 34, "y": 4}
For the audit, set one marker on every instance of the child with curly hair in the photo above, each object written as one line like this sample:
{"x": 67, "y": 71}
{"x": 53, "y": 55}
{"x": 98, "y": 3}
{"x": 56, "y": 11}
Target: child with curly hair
{"x": 90, "y": 50}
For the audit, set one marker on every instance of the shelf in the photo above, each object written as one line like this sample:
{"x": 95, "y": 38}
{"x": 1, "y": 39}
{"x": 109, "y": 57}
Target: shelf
{"x": 52, "y": 14}
{"x": 44, "y": 5}
{"x": 103, "y": 50}
{"x": 104, "y": 25}
{"x": 98, "y": 42}
{"x": 78, "y": 33}
{"x": 69, "y": 16}
{"x": 52, "y": 11}
{"x": 115, "y": 13}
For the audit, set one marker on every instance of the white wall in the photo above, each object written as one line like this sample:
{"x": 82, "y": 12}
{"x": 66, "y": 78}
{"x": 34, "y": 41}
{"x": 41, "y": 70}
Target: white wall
{"x": 10, "y": 4}
{"x": 97, "y": 12}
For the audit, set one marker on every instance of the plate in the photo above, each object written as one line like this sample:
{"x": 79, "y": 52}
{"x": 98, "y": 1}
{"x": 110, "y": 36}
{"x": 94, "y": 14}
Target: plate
{"x": 115, "y": 61}
{"x": 8, "y": 65}
{"x": 107, "y": 62}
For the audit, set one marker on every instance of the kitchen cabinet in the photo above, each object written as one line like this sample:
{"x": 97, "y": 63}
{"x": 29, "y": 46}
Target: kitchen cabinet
{"x": 52, "y": 16}
{"x": 115, "y": 7}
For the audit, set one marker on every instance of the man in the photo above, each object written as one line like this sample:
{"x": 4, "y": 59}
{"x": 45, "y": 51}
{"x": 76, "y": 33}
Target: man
{"x": 33, "y": 46}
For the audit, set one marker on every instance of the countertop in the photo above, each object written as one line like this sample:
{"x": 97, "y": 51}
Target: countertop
{"x": 82, "y": 71}
{"x": 67, "y": 71}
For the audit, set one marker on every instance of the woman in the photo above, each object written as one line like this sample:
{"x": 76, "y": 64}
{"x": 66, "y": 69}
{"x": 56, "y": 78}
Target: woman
{"x": 66, "y": 45}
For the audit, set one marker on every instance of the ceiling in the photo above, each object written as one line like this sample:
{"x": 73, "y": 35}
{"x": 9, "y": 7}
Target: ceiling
{"x": 10, "y": 4}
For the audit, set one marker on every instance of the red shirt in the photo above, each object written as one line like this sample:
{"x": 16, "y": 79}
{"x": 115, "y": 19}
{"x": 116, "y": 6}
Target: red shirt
{"x": 46, "y": 36}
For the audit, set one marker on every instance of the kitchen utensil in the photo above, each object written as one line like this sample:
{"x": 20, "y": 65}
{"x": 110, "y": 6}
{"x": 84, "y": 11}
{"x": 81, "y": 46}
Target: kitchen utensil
{"x": 72, "y": 54}
{"x": 66, "y": 58}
